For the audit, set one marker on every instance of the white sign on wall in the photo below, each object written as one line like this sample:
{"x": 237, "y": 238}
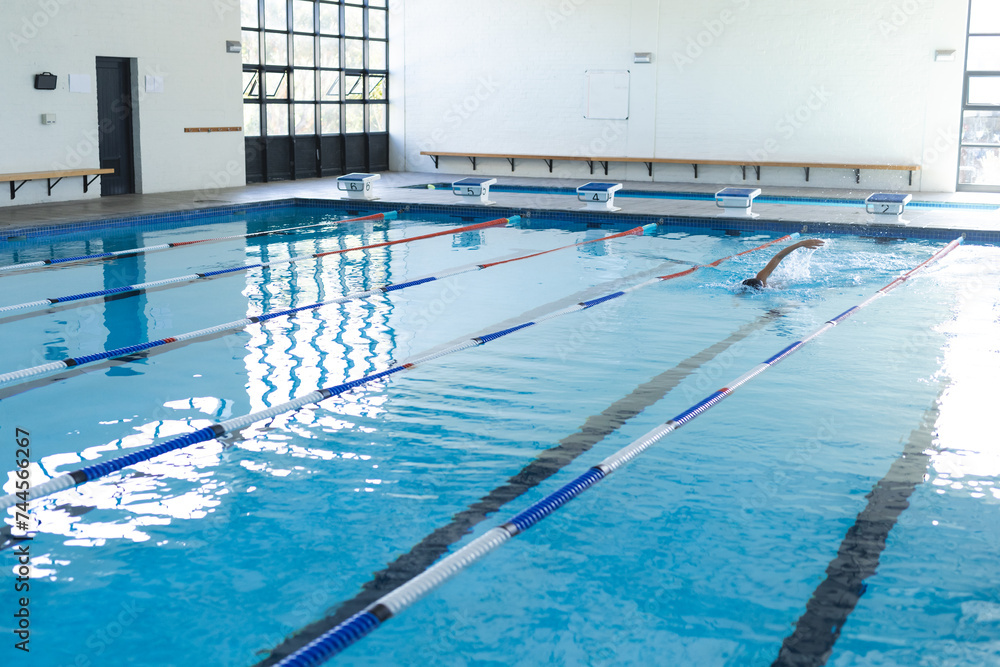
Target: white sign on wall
{"x": 79, "y": 83}
{"x": 607, "y": 94}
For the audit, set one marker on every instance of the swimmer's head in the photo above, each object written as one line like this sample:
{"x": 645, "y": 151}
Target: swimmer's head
{"x": 753, "y": 283}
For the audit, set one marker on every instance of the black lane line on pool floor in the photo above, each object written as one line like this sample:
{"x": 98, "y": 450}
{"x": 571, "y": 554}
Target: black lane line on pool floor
{"x": 98, "y": 300}
{"x": 113, "y": 362}
{"x": 817, "y": 630}
{"x": 547, "y": 463}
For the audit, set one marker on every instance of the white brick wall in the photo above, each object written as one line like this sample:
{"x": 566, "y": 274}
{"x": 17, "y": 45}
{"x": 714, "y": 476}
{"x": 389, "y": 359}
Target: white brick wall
{"x": 850, "y": 81}
{"x": 181, "y": 40}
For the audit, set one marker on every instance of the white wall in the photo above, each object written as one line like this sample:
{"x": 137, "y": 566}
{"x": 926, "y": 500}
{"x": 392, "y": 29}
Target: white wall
{"x": 184, "y": 41}
{"x": 779, "y": 80}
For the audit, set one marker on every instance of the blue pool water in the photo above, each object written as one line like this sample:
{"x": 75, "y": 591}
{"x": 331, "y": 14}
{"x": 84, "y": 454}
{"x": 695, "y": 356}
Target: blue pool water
{"x": 703, "y": 551}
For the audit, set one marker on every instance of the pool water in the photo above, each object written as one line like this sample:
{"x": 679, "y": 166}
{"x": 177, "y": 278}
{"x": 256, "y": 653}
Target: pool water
{"x": 705, "y": 550}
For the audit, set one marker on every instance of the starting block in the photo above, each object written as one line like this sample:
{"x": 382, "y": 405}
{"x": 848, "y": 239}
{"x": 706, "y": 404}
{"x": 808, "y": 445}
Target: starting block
{"x": 358, "y": 186}
{"x": 474, "y": 187}
{"x": 885, "y": 203}
{"x": 736, "y": 201}
{"x": 599, "y": 196}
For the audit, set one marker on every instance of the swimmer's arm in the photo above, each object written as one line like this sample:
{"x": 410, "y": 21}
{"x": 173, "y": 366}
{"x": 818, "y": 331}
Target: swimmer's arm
{"x": 765, "y": 273}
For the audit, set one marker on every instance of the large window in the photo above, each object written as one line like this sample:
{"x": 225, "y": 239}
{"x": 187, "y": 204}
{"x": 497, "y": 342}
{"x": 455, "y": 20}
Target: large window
{"x": 979, "y": 164}
{"x": 314, "y": 74}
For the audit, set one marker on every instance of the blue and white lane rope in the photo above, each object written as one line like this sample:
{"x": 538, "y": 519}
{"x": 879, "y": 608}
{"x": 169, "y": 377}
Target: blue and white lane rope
{"x": 236, "y": 325}
{"x": 246, "y": 267}
{"x": 356, "y": 627}
{"x": 45, "y": 263}
{"x": 217, "y": 430}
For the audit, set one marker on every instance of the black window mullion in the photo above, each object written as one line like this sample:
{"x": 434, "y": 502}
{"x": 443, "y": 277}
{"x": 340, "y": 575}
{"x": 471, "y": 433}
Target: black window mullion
{"x": 290, "y": 40}
{"x": 365, "y": 67}
{"x": 317, "y": 117}
{"x": 261, "y": 59}
{"x": 342, "y": 79}
{"x": 385, "y": 45}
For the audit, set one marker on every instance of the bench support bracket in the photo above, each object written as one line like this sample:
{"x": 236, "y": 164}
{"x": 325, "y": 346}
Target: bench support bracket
{"x": 435, "y": 158}
{"x": 511, "y": 160}
{"x": 604, "y": 163}
{"x": 88, "y": 182}
{"x": 857, "y": 175}
{"x": 472, "y": 159}
{"x": 756, "y": 169}
{"x": 549, "y": 162}
{"x": 695, "y": 170}
{"x": 13, "y": 189}
{"x": 52, "y": 185}
{"x": 807, "y": 174}
{"x": 649, "y": 168}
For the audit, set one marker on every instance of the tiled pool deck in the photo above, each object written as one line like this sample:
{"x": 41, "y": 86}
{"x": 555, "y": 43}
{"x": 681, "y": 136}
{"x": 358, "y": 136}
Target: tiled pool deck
{"x": 979, "y": 225}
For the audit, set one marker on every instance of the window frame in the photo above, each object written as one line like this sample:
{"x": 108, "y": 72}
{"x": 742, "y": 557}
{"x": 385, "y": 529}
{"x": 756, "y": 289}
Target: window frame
{"x": 292, "y": 71}
{"x": 967, "y": 106}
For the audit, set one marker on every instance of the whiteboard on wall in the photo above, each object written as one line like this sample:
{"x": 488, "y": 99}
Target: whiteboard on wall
{"x": 607, "y": 94}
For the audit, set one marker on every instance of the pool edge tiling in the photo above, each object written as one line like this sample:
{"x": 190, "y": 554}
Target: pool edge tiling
{"x": 396, "y": 189}
{"x": 888, "y": 229}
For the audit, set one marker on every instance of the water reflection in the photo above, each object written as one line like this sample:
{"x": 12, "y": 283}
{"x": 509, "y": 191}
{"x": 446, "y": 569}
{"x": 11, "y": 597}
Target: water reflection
{"x": 125, "y": 316}
{"x": 289, "y": 357}
{"x": 316, "y": 348}
{"x": 969, "y": 460}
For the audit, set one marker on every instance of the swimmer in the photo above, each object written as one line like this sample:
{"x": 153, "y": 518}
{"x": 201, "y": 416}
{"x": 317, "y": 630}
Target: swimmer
{"x": 760, "y": 281}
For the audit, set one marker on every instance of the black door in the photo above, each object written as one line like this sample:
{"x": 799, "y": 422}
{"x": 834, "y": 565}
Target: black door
{"x": 114, "y": 113}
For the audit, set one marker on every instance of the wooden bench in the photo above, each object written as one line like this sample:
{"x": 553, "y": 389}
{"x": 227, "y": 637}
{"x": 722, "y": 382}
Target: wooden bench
{"x": 58, "y": 175}
{"x": 650, "y": 161}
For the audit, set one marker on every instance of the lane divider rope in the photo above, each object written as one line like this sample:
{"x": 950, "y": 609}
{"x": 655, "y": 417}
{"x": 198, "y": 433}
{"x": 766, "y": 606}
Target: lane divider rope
{"x": 45, "y": 263}
{"x": 92, "y": 472}
{"x": 236, "y": 325}
{"x": 356, "y": 627}
{"x": 246, "y": 267}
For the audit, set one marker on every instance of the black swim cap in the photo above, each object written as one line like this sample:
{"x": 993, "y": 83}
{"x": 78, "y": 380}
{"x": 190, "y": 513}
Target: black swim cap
{"x": 755, "y": 283}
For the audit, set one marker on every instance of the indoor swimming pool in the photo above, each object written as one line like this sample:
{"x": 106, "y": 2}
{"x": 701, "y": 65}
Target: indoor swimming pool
{"x": 716, "y": 546}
